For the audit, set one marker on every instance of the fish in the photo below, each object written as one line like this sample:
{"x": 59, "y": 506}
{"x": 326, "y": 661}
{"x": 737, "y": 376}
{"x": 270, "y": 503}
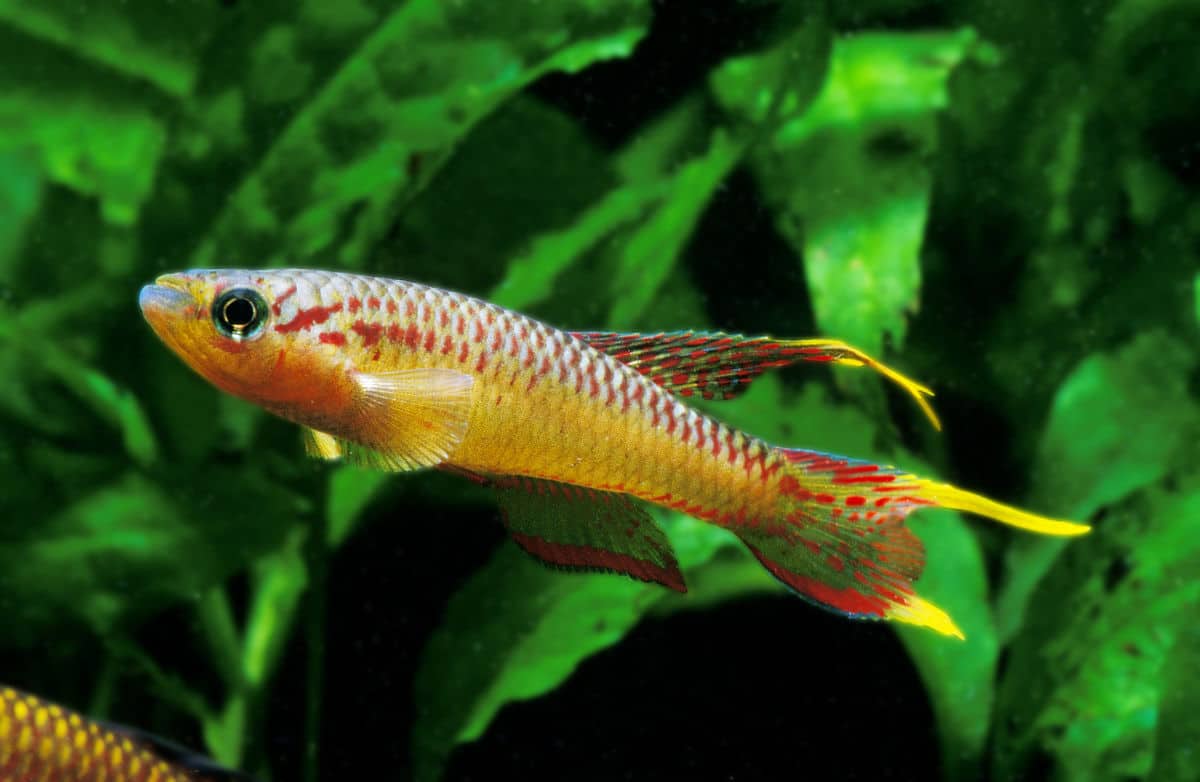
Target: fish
{"x": 44, "y": 742}
{"x": 575, "y": 431}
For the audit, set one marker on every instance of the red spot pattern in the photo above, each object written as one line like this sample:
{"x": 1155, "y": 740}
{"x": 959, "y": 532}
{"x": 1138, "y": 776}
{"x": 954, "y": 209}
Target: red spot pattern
{"x": 370, "y": 332}
{"x": 847, "y": 599}
{"x": 309, "y": 317}
{"x": 717, "y": 365}
{"x": 332, "y": 338}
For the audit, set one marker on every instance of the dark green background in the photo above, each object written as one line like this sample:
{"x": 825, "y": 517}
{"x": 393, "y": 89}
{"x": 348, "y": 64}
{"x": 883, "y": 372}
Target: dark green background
{"x": 999, "y": 198}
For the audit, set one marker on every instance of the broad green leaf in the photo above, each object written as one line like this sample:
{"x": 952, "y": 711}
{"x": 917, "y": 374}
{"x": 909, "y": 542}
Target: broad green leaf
{"x": 1110, "y": 432}
{"x": 884, "y": 77}
{"x": 1085, "y": 675}
{"x": 516, "y": 630}
{"x": 143, "y": 39}
{"x": 391, "y": 115}
{"x": 676, "y": 136}
{"x": 116, "y": 405}
{"x": 20, "y": 196}
{"x": 225, "y": 732}
{"x": 280, "y": 580}
{"x": 351, "y": 489}
{"x": 1196, "y": 288}
{"x": 644, "y": 167}
{"x": 1179, "y": 710}
{"x": 519, "y": 629}
{"x": 529, "y": 278}
{"x": 958, "y": 674}
{"x": 750, "y": 85}
{"x": 646, "y": 259}
{"x": 530, "y": 167}
{"x": 133, "y": 546}
{"x": 849, "y": 181}
{"x": 102, "y": 149}
{"x": 782, "y": 81}
{"x": 1091, "y": 625}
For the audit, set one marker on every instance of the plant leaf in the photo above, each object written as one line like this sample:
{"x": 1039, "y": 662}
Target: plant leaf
{"x": 849, "y": 182}
{"x": 519, "y": 629}
{"x": 959, "y": 676}
{"x": 1101, "y": 444}
{"x": 644, "y": 167}
{"x": 132, "y": 547}
{"x": 1091, "y": 625}
{"x": 20, "y": 197}
{"x": 116, "y": 405}
{"x": 351, "y": 489}
{"x": 1084, "y": 677}
{"x": 646, "y": 259}
{"x": 391, "y": 115}
{"x": 142, "y": 39}
{"x": 1179, "y": 712}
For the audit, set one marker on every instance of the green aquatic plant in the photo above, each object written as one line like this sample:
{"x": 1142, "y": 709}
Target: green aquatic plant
{"x": 1002, "y": 201}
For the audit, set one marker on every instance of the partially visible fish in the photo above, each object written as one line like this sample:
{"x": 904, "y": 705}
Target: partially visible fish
{"x": 44, "y": 742}
{"x": 568, "y": 427}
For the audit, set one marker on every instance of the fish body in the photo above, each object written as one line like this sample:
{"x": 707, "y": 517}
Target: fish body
{"x": 44, "y": 742}
{"x": 569, "y": 427}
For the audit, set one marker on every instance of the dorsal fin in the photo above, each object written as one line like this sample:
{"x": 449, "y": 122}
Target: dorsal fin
{"x": 716, "y": 365}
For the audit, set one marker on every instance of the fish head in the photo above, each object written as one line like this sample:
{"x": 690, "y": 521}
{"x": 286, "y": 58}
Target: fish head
{"x": 233, "y": 327}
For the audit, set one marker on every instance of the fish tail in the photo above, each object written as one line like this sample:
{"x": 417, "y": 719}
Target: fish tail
{"x": 840, "y": 538}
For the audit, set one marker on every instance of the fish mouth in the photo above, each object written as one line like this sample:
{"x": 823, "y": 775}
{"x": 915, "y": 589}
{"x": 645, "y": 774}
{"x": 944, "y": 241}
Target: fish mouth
{"x": 163, "y": 299}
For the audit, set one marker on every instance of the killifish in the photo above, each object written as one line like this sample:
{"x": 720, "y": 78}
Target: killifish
{"x": 44, "y": 742}
{"x": 573, "y": 430}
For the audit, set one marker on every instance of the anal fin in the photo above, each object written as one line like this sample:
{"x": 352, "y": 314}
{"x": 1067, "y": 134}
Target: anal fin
{"x": 576, "y": 528}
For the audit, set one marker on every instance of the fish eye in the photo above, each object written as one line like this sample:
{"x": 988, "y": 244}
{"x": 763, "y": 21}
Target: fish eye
{"x": 239, "y": 313}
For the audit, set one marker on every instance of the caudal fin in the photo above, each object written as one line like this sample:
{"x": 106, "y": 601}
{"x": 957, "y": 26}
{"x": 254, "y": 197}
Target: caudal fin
{"x": 841, "y": 542}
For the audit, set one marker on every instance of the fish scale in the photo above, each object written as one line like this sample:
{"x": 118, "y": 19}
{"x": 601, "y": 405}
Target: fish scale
{"x": 44, "y": 742}
{"x": 581, "y": 384}
{"x": 399, "y": 375}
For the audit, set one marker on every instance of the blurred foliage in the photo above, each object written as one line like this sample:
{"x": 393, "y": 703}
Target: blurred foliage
{"x": 1003, "y": 200}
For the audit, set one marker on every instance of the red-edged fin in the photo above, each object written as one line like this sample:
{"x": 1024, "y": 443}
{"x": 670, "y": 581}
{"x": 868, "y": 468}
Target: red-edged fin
{"x": 576, "y": 528}
{"x": 716, "y": 365}
{"x": 843, "y": 561}
{"x": 861, "y": 488}
{"x": 840, "y": 541}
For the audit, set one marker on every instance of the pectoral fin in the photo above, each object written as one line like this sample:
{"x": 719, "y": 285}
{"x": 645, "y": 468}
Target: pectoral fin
{"x": 319, "y": 445}
{"x": 400, "y": 421}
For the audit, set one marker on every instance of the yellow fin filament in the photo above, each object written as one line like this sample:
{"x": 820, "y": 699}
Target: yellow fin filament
{"x": 853, "y": 357}
{"x": 922, "y": 613}
{"x": 957, "y": 499}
